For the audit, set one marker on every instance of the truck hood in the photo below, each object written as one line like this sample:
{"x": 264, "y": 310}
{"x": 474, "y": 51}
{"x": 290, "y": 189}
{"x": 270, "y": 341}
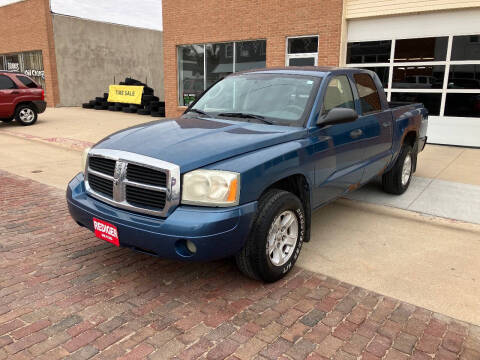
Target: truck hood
{"x": 192, "y": 142}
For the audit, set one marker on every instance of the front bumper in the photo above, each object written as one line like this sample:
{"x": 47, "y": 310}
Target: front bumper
{"x": 216, "y": 232}
{"x": 40, "y": 105}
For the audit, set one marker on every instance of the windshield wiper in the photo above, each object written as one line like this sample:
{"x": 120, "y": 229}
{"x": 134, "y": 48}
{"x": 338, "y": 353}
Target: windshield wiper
{"x": 197, "y": 111}
{"x": 246, "y": 116}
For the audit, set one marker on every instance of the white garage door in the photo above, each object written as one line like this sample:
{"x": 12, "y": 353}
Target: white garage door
{"x": 430, "y": 58}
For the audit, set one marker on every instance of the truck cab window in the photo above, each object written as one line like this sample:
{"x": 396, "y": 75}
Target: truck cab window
{"x": 6, "y": 83}
{"x": 338, "y": 94}
{"x": 368, "y": 93}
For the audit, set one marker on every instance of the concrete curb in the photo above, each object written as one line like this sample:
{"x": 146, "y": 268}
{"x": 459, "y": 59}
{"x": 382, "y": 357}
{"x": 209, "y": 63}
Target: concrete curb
{"x": 411, "y": 215}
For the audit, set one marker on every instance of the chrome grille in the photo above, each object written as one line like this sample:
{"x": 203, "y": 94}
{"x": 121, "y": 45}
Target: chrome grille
{"x": 133, "y": 182}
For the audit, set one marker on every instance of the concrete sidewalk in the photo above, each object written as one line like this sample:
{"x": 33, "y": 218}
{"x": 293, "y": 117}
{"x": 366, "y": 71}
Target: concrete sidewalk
{"x": 446, "y": 184}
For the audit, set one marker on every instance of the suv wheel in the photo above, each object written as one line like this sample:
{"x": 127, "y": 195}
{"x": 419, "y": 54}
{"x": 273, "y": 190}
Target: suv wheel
{"x": 397, "y": 180}
{"x": 275, "y": 239}
{"x": 26, "y": 115}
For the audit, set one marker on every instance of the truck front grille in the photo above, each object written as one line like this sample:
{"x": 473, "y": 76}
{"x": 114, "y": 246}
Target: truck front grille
{"x": 145, "y": 198}
{"x": 133, "y": 182}
{"x": 102, "y": 165}
{"x": 146, "y": 175}
{"x": 101, "y": 185}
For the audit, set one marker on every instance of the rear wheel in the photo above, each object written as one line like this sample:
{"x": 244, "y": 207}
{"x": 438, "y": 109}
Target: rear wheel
{"x": 397, "y": 180}
{"x": 275, "y": 239}
{"x": 26, "y": 115}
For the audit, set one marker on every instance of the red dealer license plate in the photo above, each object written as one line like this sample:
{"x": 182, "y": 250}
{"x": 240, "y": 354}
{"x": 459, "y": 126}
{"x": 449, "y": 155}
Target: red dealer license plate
{"x": 106, "y": 231}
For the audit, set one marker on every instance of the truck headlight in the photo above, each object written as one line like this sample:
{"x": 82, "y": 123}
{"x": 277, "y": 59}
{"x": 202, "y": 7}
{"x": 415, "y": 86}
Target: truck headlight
{"x": 211, "y": 188}
{"x": 84, "y": 159}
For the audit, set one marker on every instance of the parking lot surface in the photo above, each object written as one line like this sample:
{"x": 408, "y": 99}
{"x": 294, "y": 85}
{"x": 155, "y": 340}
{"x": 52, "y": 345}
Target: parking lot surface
{"x": 66, "y": 294}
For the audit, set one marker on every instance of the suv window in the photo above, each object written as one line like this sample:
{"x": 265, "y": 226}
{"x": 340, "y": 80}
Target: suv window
{"x": 27, "y": 82}
{"x": 338, "y": 94}
{"x": 6, "y": 83}
{"x": 368, "y": 93}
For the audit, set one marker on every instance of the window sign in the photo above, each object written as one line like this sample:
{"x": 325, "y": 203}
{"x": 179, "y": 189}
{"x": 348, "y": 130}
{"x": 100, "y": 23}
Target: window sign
{"x": 29, "y": 63}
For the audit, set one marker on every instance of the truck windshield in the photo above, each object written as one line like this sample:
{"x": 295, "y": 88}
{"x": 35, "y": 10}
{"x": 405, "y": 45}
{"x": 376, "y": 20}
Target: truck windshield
{"x": 277, "y": 98}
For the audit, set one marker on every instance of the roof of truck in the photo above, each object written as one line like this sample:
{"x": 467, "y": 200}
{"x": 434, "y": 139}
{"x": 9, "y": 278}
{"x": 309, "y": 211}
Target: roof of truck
{"x": 319, "y": 71}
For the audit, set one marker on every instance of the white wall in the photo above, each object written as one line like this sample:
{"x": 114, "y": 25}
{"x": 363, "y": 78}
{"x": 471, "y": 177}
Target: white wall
{"x": 415, "y": 25}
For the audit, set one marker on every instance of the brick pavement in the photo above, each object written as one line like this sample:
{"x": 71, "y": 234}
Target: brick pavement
{"x": 66, "y": 294}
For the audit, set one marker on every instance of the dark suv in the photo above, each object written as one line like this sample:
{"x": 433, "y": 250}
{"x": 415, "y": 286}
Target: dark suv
{"x": 21, "y": 98}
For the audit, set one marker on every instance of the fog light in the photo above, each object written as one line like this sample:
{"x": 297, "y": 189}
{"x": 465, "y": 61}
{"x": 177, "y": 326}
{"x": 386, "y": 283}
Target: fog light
{"x": 185, "y": 248}
{"x": 191, "y": 246}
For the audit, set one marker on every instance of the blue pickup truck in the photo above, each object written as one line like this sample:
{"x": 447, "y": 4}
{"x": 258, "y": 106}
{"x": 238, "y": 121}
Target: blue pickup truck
{"x": 240, "y": 172}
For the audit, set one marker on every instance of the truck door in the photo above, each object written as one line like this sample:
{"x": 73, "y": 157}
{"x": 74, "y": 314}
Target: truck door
{"x": 377, "y": 121}
{"x": 342, "y": 168}
{"x": 8, "y": 93}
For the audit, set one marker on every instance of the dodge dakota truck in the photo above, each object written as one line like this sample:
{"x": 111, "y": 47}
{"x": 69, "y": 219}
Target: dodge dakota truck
{"x": 240, "y": 172}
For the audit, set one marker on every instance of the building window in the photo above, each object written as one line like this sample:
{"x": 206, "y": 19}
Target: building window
{"x": 423, "y": 70}
{"x": 369, "y": 52}
{"x": 201, "y": 65}
{"x": 29, "y": 63}
{"x": 302, "y": 51}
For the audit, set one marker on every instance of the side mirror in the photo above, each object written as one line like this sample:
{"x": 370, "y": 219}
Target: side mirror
{"x": 338, "y": 116}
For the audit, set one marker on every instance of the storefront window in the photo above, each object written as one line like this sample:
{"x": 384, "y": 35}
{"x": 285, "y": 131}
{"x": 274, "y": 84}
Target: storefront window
{"x": 369, "y": 52}
{"x": 464, "y": 77}
{"x": 466, "y": 47}
{"x": 464, "y": 105}
{"x": 219, "y": 59}
{"x": 250, "y": 55}
{"x": 423, "y": 49}
{"x": 200, "y": 66}
{"x": 191, "y": 79}
{"x": 431, "y": 101}
{"x": 418, "y": 77}
{"x": 28, "y": 63}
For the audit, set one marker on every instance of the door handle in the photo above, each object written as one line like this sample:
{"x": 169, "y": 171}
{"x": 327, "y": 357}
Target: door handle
{"x": 356, "y": 133}
{"x": 386, "y": 124}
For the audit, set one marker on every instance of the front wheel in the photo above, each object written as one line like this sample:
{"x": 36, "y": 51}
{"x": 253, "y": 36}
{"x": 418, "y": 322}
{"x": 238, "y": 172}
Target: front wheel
{"x": 275, "y": 239}
{"x": 26, "y": 115}
{"x": 397, "y": 180}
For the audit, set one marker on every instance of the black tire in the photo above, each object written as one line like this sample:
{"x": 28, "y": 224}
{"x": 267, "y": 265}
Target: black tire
{"x": 93, "y": 102}
{"x": 147, "y": 91}
{"x": 253, "y": 260}
{"x": 143, "y": 112}
{"x": 129, "y": 110}
{"x": 87, "y": 106}
{"x": 100, "y": 107}
{"x": 157, "y": 114}
{"x": 26, "y": 115}
{"x": 392, "y": 181}
{"x": 99, "y": 99}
